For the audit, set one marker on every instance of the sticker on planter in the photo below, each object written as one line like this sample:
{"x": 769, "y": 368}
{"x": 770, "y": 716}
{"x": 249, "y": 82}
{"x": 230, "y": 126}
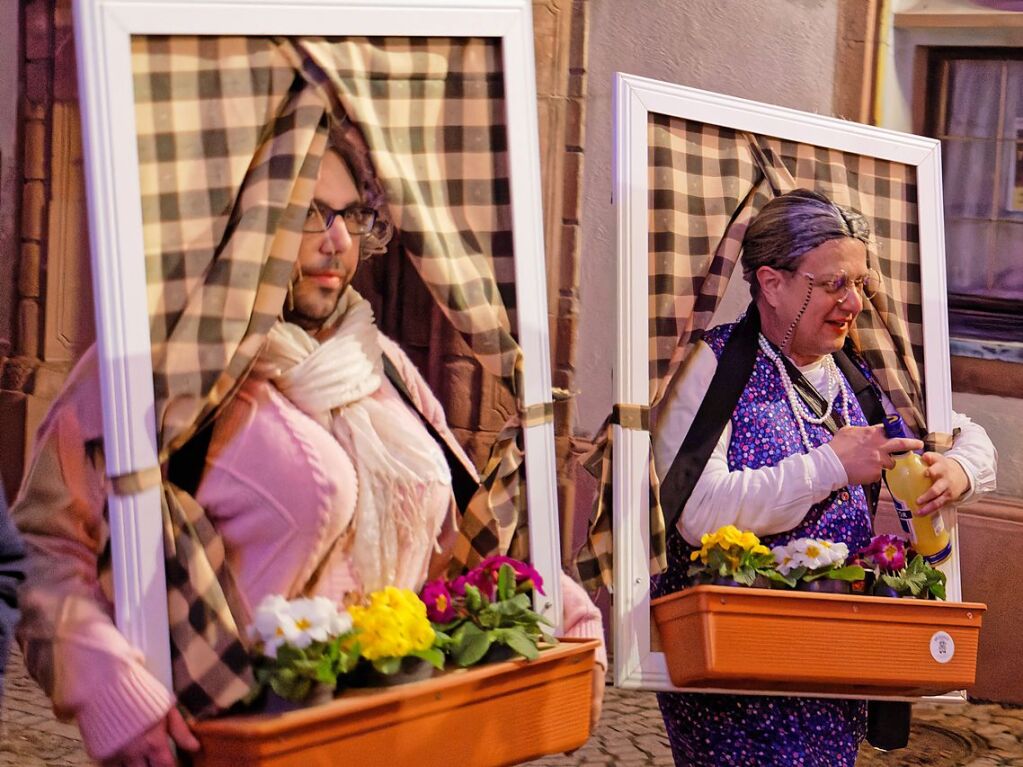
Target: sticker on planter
{"x": 942, "y": 647}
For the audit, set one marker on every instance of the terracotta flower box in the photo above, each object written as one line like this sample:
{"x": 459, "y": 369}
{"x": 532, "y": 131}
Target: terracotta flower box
{"x": 497, "y": 714}
{"x": 768, "y": 640}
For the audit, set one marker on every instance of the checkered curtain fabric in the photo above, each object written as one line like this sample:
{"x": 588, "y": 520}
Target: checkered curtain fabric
{"x": 231, "y": 132}
{"x": 706, "y": 185}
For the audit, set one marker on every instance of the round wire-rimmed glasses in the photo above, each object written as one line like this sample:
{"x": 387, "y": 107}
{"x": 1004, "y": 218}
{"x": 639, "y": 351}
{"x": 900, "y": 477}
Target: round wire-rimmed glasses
{"x": 838, "y": 284}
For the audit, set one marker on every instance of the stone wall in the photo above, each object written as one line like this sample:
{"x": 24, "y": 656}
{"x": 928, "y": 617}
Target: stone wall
{"x": 49, "y": 287}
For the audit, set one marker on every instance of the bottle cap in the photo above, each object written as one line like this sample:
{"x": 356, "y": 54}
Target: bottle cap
{"x": 895, "y": 427}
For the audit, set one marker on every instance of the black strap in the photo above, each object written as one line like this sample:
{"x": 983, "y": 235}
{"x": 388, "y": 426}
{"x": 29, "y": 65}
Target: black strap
{"x": 732, "y": 374}
{"x": 463, "y": 484}
{"x": 866, "y": 392}
{"x": 811, "y": 396}
{"x": 869, "y": 398}
{"x": 186, "y": 465}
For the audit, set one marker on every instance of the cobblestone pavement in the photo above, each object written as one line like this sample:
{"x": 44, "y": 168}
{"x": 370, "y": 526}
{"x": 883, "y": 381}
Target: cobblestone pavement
{"x": 630, "y": 734}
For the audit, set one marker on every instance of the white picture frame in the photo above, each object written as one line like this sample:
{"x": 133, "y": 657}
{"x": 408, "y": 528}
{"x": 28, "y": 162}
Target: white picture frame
{"x": 636, "y": 666}
{"x": 104, "y": 29}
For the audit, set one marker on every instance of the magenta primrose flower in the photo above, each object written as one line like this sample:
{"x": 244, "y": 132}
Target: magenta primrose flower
{"x": 888, "y": 552}
{"x": 440, "y": 605}
{"x": 490, "y": 568}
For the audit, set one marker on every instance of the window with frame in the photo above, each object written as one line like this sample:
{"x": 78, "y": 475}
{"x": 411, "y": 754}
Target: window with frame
{"x": 975, "y": 107}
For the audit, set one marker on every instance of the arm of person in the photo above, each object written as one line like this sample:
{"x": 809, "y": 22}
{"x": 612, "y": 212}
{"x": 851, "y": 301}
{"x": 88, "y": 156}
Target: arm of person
{"x": 767, "y": 500}
{"x": 582, "y": 620}
{"x": 964, "y": 471}
{"x": 67, "y": 633}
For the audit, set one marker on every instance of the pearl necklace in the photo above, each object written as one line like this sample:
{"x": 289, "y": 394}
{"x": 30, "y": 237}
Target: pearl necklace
{"x": 800, "y": 409}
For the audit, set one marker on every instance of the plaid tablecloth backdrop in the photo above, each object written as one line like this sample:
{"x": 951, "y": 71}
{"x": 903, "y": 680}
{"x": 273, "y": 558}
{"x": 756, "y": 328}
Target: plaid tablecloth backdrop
{"x": 706, "y": 184}
{"x": 231, "y": 132}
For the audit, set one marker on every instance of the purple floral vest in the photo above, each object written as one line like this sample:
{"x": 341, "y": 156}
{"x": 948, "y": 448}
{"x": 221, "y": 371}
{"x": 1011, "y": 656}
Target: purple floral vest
{"x": 764, "y": 431}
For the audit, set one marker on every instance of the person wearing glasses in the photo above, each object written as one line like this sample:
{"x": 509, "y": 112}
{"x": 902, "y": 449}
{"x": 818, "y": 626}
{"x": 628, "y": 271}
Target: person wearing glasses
{"x": 321, "y": 475}
{"x": 785, "y": 469}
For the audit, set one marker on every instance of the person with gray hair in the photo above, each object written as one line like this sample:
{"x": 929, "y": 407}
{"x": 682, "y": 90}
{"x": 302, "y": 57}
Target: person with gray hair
{"x": 792, "y": 454}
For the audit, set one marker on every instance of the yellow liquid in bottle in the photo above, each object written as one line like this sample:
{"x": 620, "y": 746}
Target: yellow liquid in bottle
{"x": 907, "y": 482}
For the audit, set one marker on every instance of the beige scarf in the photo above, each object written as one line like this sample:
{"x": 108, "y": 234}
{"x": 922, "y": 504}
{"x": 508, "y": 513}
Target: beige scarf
{"x": 332, "y": 382}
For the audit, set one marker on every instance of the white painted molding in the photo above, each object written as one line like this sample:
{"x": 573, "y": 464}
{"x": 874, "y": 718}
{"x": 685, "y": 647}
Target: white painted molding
{"x": 103, "y": 30}
{"x": 636, "y": 666}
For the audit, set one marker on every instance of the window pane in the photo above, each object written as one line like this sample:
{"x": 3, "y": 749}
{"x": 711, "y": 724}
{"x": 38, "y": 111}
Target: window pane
{"x": 973, "y": 97}
{"x": 1014, "y": 178}
{"x": 1007, "y": 260}
{"x": 1013, "y": 101}
{"x": 968, "y": 177}
{"x": 966, "y": 249}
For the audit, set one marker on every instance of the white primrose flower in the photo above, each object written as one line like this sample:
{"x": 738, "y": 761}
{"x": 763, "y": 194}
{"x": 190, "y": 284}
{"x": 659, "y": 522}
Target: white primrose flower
{"x": 839, "y": 553}
{"x": 316, "y": 620}
{"x": 784, "y": 559}
{"x": 298, "y": 623}
{"x": 272, "y": 625}
{"x": 810, "y": 552}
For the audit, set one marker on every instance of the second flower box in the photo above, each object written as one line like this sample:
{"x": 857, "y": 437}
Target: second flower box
{"x": 770, "y": 640}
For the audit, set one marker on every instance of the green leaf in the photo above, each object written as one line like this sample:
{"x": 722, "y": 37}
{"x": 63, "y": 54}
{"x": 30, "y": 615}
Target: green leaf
{"x": 505, "y": 582}
{"x": 473, "y": 598}
{"x": 387, "y": 665}
{"x": 520, "y": 643}
{"x": 777, "y": 577}
{"x": 744, "y": 576}
{"x": 473, "y": 646}
{"x": 847, "y": 573}
{"x": 433, "y": 656}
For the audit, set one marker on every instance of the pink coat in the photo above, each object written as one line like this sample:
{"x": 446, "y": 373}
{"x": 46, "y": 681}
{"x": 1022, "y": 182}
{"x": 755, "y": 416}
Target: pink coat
{"x": 71, "y": 645}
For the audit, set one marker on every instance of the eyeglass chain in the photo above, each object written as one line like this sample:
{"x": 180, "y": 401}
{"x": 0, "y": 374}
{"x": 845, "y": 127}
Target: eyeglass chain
{"x": 800, "y": 409}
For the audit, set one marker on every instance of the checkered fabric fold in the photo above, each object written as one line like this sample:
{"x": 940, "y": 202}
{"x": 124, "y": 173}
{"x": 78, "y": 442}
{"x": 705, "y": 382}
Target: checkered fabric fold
{"x": 231, "y": 131}
{"x": 706, "y": 184}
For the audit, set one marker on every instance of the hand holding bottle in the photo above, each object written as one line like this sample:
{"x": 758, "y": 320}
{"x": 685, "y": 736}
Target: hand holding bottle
{"x": 910, "y": 480}
{"x": 865, "y": 450}
{"x": 949, "y": 483}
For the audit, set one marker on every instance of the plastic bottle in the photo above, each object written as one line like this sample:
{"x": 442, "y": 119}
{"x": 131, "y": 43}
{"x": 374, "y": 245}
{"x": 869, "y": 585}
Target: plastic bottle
{"x": 907, "y": 481}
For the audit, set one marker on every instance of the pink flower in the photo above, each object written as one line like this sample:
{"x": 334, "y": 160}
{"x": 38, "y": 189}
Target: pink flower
{"x": 886, "y": 552}
{"x": 490, "y": 568}
{"x": 457, "y": 586}
{"x": 440, "y": 605}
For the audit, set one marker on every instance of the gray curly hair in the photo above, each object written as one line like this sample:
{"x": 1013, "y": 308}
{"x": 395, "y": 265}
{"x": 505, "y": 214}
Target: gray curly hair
{"x": 793, "y": 224}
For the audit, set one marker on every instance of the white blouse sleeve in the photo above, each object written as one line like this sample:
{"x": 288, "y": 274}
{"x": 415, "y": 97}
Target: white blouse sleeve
{"x": 767, "y": 500}
{"x": 972, "y": 449}
{"x": 975, "y": 452}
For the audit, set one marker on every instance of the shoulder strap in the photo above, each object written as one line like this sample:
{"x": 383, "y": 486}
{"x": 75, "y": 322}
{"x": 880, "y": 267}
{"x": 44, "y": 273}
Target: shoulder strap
{"x": 731, "y": 376}
{"x": 870, "y": 403}
{"x": 866, "y": 392}
{"x": 463, "y": 484}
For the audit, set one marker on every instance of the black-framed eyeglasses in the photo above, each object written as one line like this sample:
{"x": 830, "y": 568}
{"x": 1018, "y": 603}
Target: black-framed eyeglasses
{"x": 358, "y": 218}
{"x": 840, "y": 283}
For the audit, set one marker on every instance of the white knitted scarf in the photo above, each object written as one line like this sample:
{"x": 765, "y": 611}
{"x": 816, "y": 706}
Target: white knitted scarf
{"x": 332, "y": 381}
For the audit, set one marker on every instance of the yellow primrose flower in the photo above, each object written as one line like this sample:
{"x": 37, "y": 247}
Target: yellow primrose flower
{"x": 393, "y": 625}
{"x": 731, "y": 535}
{"x": 748, "y": 540}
